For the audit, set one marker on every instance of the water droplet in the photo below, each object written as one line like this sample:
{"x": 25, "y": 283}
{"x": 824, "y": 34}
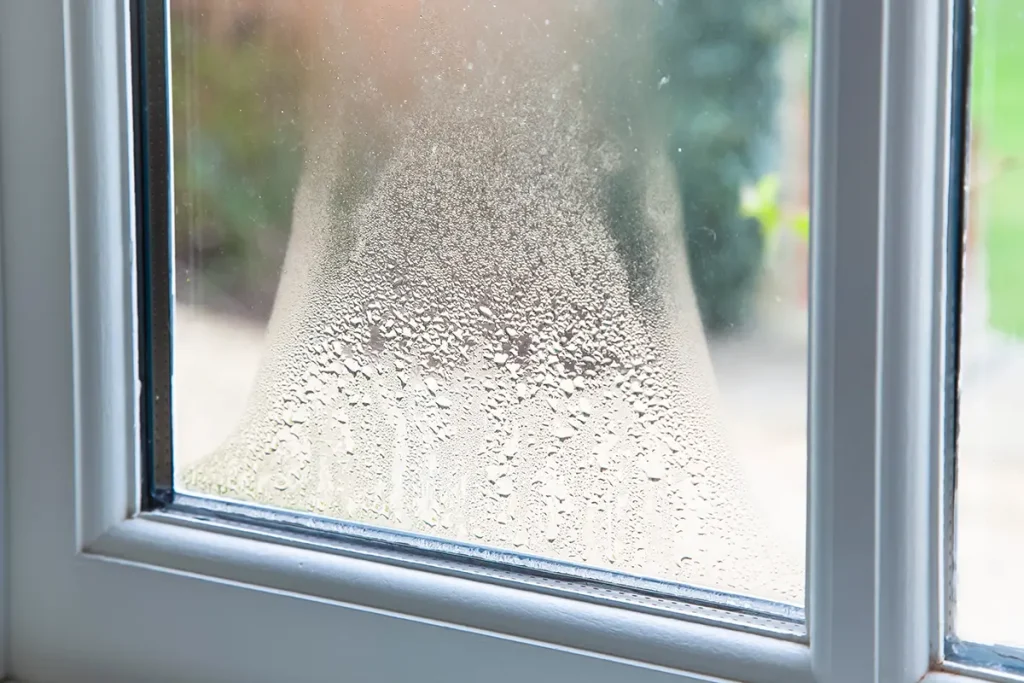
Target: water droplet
{"x": 653, "y": 467}
{"x": 504, "y": 487}
{"x": 563, "y": 432}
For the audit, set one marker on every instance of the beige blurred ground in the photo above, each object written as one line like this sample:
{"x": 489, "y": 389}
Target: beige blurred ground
{"x": 762, "y": 378}
{"x": 990, "y": 492}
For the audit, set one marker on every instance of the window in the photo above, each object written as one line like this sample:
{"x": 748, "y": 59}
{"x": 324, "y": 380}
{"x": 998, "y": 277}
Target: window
{"x": 987, "y": 626}
{"x": 342, "y": 537}
{"x": 484, "y": 328}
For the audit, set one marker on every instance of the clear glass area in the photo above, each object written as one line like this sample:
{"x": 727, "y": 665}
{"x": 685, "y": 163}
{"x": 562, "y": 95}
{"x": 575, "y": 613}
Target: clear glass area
{"x": 523, "y": 274}
{"x": 990, "y": 455}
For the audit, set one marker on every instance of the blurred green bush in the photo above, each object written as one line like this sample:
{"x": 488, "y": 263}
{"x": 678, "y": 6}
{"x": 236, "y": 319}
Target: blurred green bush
{"x": 721, "y": 63}
{"x": 760, "y": 201}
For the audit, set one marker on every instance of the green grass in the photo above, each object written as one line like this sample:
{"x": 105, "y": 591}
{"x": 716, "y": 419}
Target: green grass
{"x": 997, "y": 107}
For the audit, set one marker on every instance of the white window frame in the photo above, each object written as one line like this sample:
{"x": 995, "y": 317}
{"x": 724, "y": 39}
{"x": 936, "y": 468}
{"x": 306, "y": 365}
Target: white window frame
{"x": 96, "y": 591}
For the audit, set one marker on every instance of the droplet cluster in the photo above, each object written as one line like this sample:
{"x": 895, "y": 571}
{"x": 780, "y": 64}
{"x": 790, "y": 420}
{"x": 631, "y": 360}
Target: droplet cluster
{"x": 461, "y": 348}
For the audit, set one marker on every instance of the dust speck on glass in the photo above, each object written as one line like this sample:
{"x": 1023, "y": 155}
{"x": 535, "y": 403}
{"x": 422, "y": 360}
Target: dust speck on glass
{"x": 522, "y": 275}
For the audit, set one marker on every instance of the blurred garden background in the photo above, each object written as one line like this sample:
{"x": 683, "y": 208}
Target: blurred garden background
{"x": 238, "y": 77}
{"x": 741, "y": 73}
{"x": 743, "y": 70}
{"x": 997, "y": 203}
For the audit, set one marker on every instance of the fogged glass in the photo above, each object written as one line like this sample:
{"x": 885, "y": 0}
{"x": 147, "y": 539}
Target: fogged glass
{"x": 522, "y": 274}
{"x": 990, "y": 453}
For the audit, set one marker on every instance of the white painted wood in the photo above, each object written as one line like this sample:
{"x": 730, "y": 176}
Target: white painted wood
{"x": 3, "y": 465}
{"x": 915, "y": 185}
{"x": 36, "y": 309}
{"x": 845, "y": 245}
{"x": 98, "y": 94}
{"x": 667, "y": 642}
{"x": 880, "y": 87}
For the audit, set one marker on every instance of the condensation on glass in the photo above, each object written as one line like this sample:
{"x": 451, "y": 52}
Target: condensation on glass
{"x": 485, "y": 327}
{"x": 989, "y": 595}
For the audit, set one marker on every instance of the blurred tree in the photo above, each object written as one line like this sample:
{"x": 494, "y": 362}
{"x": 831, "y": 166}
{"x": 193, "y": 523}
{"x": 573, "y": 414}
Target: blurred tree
{"x": 237, "y": 151}
{"x": 720, "y": 67}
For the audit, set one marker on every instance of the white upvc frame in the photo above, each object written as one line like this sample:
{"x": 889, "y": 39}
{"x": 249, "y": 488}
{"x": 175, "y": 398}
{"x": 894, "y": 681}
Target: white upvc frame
{"x": 99, "y": 592}
{"x": 3, "y": 476}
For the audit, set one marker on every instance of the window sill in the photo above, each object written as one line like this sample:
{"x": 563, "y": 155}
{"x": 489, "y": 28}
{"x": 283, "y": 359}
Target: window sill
{"x": 289, "y": 577}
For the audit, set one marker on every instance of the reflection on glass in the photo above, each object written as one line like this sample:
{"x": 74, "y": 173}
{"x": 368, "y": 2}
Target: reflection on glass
{"x": 541, "y": 274}
{"x": 990, "y": 455}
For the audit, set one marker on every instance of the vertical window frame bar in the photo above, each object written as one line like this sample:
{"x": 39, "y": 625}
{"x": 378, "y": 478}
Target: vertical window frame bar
{"x": 880, "y": 185}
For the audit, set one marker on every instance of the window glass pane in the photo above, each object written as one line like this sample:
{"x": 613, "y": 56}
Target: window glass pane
{"x": 521, "y": 274}
{"x": 990, "y": 454}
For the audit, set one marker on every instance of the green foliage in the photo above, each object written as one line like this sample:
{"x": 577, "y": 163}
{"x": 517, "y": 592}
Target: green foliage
{"x": 997, "y": 113}
{"x": 720, "y": 66}
{"x": 761, "y": 202}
